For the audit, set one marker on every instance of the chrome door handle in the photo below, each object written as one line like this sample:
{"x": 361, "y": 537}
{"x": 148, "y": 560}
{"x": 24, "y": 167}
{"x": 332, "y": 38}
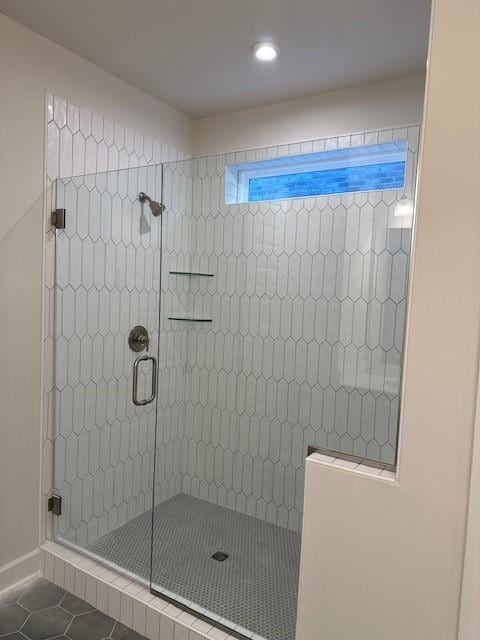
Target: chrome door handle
{"x": 136, "y": 364}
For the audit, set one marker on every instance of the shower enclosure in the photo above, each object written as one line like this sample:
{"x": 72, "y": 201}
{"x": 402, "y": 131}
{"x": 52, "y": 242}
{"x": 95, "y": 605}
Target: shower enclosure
{"x": 201, "y": 347}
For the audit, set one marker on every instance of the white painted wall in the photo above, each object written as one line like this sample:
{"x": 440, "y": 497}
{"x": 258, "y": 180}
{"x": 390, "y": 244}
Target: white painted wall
{"x": 29, "y": 66}
{"x": 385, "y": 561}
{"x": 373, "y": 106}
{"x": 470, "y": 609}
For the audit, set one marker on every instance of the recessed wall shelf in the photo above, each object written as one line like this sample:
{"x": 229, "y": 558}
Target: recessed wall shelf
{"x": 191, "y": 273}
{"x": 186, "y": 319}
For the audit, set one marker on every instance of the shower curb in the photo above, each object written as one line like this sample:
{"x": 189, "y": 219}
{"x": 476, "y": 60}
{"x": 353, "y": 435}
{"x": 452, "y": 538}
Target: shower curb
{"x": 122, "y": 599}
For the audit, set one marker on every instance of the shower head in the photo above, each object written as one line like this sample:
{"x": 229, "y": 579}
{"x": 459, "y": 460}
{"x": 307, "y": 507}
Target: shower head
{"x": 156, "y": 207}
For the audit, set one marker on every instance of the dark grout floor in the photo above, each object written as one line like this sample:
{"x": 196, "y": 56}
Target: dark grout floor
{"x": 40, "y": 610}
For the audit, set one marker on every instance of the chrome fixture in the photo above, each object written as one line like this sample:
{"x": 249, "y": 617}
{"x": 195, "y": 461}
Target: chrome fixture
{"x": 138, "y": 339}
{"x": 153, "y": 392}
{"x": 58, "y": 218}
{"x": 156, "y": 207}
{"x": 55, "y": 505}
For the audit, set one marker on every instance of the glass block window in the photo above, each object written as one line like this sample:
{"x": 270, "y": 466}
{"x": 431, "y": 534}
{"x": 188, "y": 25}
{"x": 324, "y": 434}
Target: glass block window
{"x": 366, "y": 168}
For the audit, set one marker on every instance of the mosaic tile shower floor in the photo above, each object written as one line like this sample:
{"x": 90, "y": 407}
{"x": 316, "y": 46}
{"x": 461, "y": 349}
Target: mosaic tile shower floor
{"x": 42, "y": 610}
{"x": 254, "y": 588}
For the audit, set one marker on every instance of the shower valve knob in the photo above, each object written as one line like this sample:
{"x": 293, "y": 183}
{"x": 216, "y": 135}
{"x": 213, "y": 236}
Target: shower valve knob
{"x": 138, "y": 339}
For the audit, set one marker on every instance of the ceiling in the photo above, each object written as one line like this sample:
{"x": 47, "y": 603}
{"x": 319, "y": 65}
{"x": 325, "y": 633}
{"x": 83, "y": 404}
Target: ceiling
{"x": 196, "y": 54}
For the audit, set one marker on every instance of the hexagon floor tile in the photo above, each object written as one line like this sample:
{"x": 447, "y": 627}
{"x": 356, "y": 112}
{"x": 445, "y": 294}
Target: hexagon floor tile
{"x": 255, "y": 587}
{"x": 41, "y": 610}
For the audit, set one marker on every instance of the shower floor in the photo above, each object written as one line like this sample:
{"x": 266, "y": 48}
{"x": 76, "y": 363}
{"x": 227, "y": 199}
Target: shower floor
{"x": 254, "y": 588}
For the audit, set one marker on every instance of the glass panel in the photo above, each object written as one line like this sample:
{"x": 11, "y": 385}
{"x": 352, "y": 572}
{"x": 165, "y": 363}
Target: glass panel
{"x": 304, "y": 347}
{"x": 107, "y": 282}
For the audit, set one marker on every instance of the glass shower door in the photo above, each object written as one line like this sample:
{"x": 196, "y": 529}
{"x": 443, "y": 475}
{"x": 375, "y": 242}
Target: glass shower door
{"x": 107, "y": 299}
{"x": 282, "y": 330}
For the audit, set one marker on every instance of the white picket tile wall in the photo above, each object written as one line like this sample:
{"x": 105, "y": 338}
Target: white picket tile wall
{"x": 290, "y": 358}
{"x": 103, "y": 453}
{"x": 305, "y": 345}
{"x": 108, "y": 279}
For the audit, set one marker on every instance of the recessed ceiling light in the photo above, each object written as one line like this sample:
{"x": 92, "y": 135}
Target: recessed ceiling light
{"x": 265, "y": 51}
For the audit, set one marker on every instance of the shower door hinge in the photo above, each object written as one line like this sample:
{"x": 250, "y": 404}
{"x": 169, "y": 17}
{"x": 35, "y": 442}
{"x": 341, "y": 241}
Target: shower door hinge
{"x": 58, "y": 218}
{"x": 55, "y": 505}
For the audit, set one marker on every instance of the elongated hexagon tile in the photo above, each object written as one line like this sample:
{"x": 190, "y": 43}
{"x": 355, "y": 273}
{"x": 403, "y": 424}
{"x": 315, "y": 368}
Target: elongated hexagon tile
{"x": 292, "y": 305}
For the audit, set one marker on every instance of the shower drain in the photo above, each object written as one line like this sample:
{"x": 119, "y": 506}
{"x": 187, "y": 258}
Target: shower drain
{"x": 221, "y": 556}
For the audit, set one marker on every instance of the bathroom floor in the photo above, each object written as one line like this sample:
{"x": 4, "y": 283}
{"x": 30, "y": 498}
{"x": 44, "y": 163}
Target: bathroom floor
{"x": 255, "y": 586}
{"x": 41, "y": 610}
